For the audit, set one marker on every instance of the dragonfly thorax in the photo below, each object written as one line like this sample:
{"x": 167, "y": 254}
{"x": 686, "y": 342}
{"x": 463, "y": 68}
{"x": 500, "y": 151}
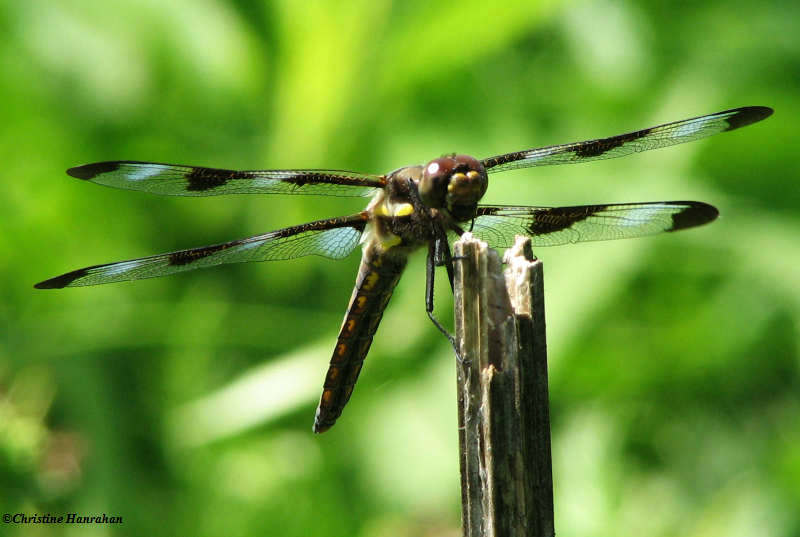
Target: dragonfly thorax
{"x": 455, "y": 183}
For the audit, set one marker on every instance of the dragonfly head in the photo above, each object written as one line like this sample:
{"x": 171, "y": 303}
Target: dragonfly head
{"x": 455, "y": 183}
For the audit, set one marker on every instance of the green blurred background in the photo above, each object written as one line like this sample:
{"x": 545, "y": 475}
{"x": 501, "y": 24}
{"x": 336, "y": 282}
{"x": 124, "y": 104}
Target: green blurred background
{"x": 185, "y": 404}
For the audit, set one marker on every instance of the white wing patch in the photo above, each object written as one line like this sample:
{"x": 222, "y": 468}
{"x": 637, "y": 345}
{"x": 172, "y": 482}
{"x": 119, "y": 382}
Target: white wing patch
{"x": 142, "y": 173}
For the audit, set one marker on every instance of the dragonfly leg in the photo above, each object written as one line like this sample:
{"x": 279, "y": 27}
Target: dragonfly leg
{"x": 430, "y": 272}
{"x": 442, "y": 256}
{"x": 438, "y": 255}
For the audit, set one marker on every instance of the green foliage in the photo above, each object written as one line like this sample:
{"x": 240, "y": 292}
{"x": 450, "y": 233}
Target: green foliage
{"x": 185, "y": 404}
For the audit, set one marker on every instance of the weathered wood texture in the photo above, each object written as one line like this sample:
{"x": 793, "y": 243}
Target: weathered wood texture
{"x": 504, "y": 417}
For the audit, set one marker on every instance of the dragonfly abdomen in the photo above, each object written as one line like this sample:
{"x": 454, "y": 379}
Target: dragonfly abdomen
{"x": 378, "y": 275}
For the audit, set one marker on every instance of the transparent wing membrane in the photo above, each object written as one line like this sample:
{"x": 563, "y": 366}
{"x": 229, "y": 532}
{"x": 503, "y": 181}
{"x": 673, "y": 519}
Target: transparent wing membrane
{"x": 180, "y": 180}
{"x": 551, "y": 226}
{"x": 665, "y": 135}
{"x": 334, "y": 238}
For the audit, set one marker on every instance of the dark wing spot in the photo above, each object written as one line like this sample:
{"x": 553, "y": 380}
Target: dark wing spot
{"x": 88, "y": 172}
{"x": 559, "y": 218}
{"x": 185, "y": 257}
{"x": 748, "y": 115}
{"x": 301, "y": 180}
{"x": 694, "y": 214}
{"x": 595, "y": 148}
{"x": 59, "y": 282}
{"x": 200, "y": 179}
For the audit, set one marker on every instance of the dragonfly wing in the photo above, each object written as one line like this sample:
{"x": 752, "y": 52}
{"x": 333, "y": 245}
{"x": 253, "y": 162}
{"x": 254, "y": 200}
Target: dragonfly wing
{"x": 665, "y": 135}
{"x": 180, "y": 180}
{"x": 551, "y": 226}
{"x": 334, "y": 238}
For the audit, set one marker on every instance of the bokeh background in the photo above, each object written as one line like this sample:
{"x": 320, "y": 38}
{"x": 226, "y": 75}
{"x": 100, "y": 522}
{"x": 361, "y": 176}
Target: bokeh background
{"x": 185, "y": 404}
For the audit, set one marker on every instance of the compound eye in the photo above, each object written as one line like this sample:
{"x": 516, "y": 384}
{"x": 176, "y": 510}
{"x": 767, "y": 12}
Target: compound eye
{"x": 467, "y": 186}
{"x": 435, "y": 178}
{"x": 466, "y": 161}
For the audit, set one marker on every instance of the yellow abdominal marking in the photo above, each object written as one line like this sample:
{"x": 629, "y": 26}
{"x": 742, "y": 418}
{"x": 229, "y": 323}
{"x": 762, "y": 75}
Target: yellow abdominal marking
{"x": 390, "y": 240}
{"x": 370, "y": 281}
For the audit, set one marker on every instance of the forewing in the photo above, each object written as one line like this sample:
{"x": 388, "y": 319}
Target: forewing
{"x": 180, "y": 180}
{"x": 334, "y": 238}
{"x": 551, "y": 226}
{"x": 665, "y": 135}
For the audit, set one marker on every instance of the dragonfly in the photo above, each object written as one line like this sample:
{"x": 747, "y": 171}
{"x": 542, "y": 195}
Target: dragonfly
{"x": 414, "y": 207}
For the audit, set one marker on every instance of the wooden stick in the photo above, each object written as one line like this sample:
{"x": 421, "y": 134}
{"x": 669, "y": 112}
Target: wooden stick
{"x": 504, "y": 416}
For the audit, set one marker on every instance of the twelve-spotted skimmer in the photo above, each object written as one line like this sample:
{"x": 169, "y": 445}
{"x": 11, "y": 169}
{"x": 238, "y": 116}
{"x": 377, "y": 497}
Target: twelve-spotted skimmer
{"x": 411, "y": 207}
